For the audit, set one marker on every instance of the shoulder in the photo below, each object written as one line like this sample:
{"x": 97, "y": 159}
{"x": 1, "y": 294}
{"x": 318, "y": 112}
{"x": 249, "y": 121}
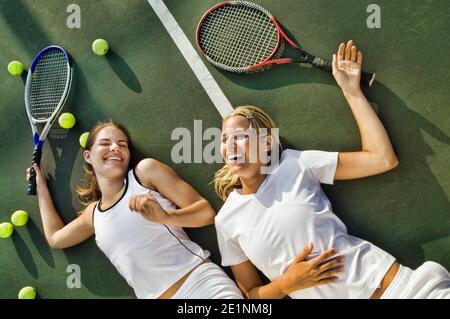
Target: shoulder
{"x": 88, "y": 212}
{"x": 149, "y": 169}
{"x": 227, "y": 209}
{"x": 290, "y": 153}
{"x": 147, "y": 164}
{"x": 308, "y": 157}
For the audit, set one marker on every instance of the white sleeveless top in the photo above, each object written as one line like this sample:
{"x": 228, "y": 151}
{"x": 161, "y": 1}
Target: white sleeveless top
{"x": 150, "y": 256}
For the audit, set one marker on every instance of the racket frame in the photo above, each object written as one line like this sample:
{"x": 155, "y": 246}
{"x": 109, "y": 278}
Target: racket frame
{"x": 38, "y": 139}
{"x": 305, "y": 57}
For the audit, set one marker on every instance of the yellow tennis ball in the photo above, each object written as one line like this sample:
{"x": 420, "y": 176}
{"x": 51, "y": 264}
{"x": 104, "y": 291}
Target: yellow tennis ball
{"x": 66, "y": 120}
{"x": 27, "y": 293}
{"x": 6, "y": 230}
{"x": 100, "y": 46}
{"x": 19, "y": 218}
{"x": 83, "y": 139}
{"x": 15, "y": 68}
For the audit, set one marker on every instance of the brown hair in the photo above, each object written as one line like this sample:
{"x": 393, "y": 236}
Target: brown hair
{"x": 90, "y": 191}
{"x": 224, "y": 181}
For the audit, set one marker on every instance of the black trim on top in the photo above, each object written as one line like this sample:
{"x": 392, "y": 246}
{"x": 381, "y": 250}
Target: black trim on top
{"x": 93, "y": 213}
{"x": 183, "y": 244}
{"x": 123, "y": 194}
{"x": 137, "y": 178}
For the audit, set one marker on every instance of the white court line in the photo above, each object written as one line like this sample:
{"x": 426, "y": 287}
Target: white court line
{"x": 210, "y": 85}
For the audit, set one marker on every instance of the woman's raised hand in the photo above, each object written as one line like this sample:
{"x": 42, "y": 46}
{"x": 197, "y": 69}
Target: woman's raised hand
{"x": 347, "y": 67}
{"x": 148, "y": 207}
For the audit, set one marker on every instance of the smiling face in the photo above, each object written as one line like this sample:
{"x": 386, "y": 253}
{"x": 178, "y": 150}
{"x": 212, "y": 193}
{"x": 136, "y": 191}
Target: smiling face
{"x": 242, "y": 149}
{"x": 109, "y": 154}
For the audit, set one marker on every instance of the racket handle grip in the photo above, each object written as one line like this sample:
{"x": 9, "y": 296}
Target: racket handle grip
{"x": 324, "y": 64}
{"x": 36, "y": 160}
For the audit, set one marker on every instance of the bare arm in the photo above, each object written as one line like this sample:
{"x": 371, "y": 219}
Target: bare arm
{"x": 58, "y": 235}
{"x": 299, "y": 275}
{"x": 377, "y": 154}
{"x": 194, "y": 210}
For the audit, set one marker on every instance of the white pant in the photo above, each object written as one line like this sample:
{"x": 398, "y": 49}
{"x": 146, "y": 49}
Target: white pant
{"x": 208, "y": 281}
{"x": 429, "y": 281}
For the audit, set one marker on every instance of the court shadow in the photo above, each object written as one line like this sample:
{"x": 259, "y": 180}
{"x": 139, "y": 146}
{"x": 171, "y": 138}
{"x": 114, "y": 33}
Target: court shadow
{"x": 23, "y": 77}
{"x": 24, "y": 254}
{"x": 280, "y": 76}
{"x": 124, "y": 72}
{"x": 40, "y": 243}
{"x": 28, "y": 29}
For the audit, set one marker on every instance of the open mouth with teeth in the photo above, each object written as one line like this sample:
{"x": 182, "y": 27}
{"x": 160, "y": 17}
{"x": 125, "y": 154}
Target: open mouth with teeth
{"x": 113, "y": 159}
{"x": 236, "y": 158}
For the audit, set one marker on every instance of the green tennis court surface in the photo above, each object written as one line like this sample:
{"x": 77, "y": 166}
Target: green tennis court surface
{"x": 145, "y": 83}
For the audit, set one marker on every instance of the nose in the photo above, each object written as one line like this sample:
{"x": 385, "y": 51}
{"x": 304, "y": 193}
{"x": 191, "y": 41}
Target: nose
{"x": 230, "y": 144}
{"x": 114, "y": 146}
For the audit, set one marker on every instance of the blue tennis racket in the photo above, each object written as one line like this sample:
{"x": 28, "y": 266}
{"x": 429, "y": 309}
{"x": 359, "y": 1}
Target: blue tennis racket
{"x": 46, "y": 90}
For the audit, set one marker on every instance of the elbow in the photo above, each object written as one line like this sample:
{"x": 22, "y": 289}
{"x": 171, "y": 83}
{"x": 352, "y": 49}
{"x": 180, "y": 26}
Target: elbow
{"x": 53, "y": 244}
{"x": 390, "y": 162}
{"x": 210, "y": 213}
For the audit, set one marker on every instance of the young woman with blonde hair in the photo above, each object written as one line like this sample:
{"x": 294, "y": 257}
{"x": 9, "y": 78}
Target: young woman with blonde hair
{"x": 137, "y": 217}
{"x": 268, "y": 218}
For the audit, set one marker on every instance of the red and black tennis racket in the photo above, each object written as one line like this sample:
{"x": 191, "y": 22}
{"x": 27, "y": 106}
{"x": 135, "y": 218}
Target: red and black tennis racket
{"x": 242, "y": 37}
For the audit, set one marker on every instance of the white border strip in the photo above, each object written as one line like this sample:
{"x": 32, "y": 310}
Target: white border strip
{"x": 210, "y": 85}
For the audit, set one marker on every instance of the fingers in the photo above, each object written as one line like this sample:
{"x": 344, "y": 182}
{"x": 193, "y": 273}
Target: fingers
{"x": 330, "y": 273}
{"x": 360, "y": 57}
{"x": 331, "y": 263}
{"x": 327, "y": 281}
{"x": 305, "y": 253}
{"x": 28, "y": 175}
{"x": 34, "y": 168}
{"x": 341, "y": 52}
{"x": 138, "y": 203}
{"x": 348, "y": 50}
{"x": 132, "y": 203}
{"x": 353, "y": 54}
{"x": 322, "y": 257}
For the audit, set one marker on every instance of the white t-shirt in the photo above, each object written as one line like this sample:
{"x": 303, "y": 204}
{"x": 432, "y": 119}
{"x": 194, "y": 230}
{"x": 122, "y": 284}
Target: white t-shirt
{"x": 150, "y": 256}
{"x": 289, "y": 210}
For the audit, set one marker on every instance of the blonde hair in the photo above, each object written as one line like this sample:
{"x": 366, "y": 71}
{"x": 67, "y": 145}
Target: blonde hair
{"x": 224, "y": 181}
{"x": 90, "y": 191}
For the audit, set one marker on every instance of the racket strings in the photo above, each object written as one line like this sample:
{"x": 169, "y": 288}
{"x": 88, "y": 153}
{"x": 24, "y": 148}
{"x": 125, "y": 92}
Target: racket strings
{"x": 48, "y": 84}
{"x": 243, "y": 32}
{"x": 234, "y": 37}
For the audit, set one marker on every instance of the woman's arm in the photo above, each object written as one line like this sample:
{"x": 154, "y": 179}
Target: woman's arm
{"x": 58, "y": 235}
{"x": 194, "y": 210}
{"x": 299, "y": 275}
{"x": 377, "y": 154}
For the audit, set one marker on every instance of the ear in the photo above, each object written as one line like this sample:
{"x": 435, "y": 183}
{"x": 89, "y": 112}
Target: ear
{"x": 87, "y": 156}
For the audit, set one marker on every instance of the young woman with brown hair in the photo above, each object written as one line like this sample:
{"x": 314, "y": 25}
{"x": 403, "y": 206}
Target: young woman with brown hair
{"x": 137, "y": 217}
